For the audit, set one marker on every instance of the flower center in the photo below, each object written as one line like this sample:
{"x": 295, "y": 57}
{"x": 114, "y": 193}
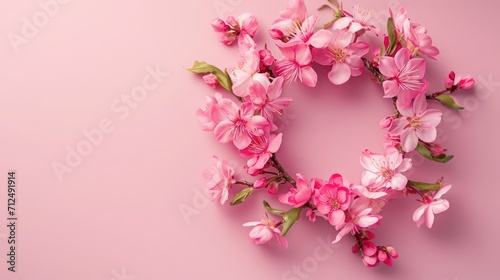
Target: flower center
{"x": 414, "y": 122}
{"x": 339, "y": 55}
{"x": 335, "y": 204}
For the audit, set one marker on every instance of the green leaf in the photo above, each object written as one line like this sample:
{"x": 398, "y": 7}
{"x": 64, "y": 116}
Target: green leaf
{"x": 241, "y": 196}
{"x": 421, "y": 149}
{"x": 448, "y": 101}
{"x": 205, "y": 68}
{"x": 442, "y": 158}
{"x": 291, "y": 216}
{"x": 425, "y": 186}
{"x": 273, "y": 210}
{"x": 391, "y": 33}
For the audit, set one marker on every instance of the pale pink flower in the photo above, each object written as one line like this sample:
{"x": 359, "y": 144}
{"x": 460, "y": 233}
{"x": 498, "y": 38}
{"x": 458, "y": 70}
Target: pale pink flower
{"x": 211, "y": 115}
{"x": 299, "y": 195}
{"x": 296, "y": 65}
{"x": 210, "y": 80}
{"x": 267, "y": 98}
{"x": 260, "y": 150}
{"x": 219, "y": 180}
{"x": 232, "y": 28}
{"x": 264, "y": 231}
{"x": 303, "y": 33}
{"x": 431, "y": 205}
{"x": 404, "y": 76}
{"x": 415, "y": 35}
{"x": 332, "y": 199}
{"x": 293, "y": 16}
{"x": 458, "y": 82}
{"x": 240, "y": 124}
{"x": 370, "y": 197}
{"x": 384, "y": 171}
{"x": 416, "y": 122}
{"x": 343, "y": 55}
{"x": 361, "y": 19}
{"x": 247, "y": 72}
{"x": 386, "y": 122}
{"x": 360, "y": 218}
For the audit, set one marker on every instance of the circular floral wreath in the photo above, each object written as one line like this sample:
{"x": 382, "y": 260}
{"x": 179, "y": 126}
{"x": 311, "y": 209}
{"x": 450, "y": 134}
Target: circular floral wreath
{"x": 257, "y": 83}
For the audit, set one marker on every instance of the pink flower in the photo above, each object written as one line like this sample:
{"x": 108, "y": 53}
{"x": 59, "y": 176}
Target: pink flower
{"x": 386, "y": 122}
{"x": 264, "y": 231}
{"x": 211, "y": 115}
{"x": 370, "y": 197}
{"x": 302, "y": 32}
{"x": 296, "y": 65}
{"x": 247, "y": 72}
{"x": 360, "y": 218}
{"x": 294, "y": 15}
{"x": 210, "y": 80}
{"x": 232, "y": 28}
{"x": 404, "y": 75}
{"x": 361, "y": 19}
{"x": 240, "y": 124}
{"x": 416, "y": 122}
{"x": 261, "y": 183}
{"x": 267, "y": 98}
{"x": 260, "y": 150}
{"x": 299, "y": 195}
{"x": 431, "y": 205}
{"x": 384, "y": 171}
{"x": 458, "y": 82}
{"x": 343, "y": 55}
{"x": 415, "y": 35}
{"x": 332, "y": 199}
{"x": 219, "y": 180}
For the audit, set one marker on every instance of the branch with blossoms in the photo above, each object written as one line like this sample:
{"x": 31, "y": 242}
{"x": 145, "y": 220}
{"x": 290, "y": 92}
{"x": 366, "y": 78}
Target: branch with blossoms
{"x": 246, "y": 119}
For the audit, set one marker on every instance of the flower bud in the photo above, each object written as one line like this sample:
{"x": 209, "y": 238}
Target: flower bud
{"x": 272, "y": 188}
{"x": 392, "y": 252}
{"x": 386, "y": 122}
{"x": 261, "y": 183}
{"x": 219, "y": 25}
{"x": 210, "y": 80}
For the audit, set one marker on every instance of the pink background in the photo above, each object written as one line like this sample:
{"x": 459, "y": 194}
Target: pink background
{"x": 117, "y": 215}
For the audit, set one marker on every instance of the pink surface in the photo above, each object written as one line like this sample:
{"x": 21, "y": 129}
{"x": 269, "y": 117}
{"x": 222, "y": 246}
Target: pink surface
{"x": 115, "y": 214}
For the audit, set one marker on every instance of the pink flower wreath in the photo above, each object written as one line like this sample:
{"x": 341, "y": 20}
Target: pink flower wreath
{"x": 257, "y": 83}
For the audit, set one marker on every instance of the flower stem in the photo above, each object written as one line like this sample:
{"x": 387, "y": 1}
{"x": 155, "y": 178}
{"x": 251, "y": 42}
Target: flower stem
{"x": 245, "y": 183}
{"x": 282, "y": 172}
{"x": 374, "y": 70}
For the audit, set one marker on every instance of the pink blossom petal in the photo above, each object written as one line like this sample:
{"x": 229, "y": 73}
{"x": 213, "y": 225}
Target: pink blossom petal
{"x": 440, "y": 206}
{"x": 401, "y": 58}
{"x": 275, "y": 143}
{"x": 398, "y": 126}
{"x": 398, "y": 182}
{"x": 420, "y": 103}
{"x": 429, "y": 218}
{"x": 242, "y": 141}
{"x": 427, "y": 134}
{"x": 321, "y": 56}
{"x": 308, "y": 76}
{"x": 303, "y": 54}
{"x": 391, "y": 88}
{"x": 388, "y": 67}
{"x": 432, "y": 117}
{"x": 419, "y": 212}
{"x": 442, "y": 191}
{"x": 409, "y": 140}
{"x": 320, "y": 39}
{"x": 339, "y": 74}
{"x": 367, "y": 221}
{"x": 337, "y": 217}
{"x": 224, "y": 131}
